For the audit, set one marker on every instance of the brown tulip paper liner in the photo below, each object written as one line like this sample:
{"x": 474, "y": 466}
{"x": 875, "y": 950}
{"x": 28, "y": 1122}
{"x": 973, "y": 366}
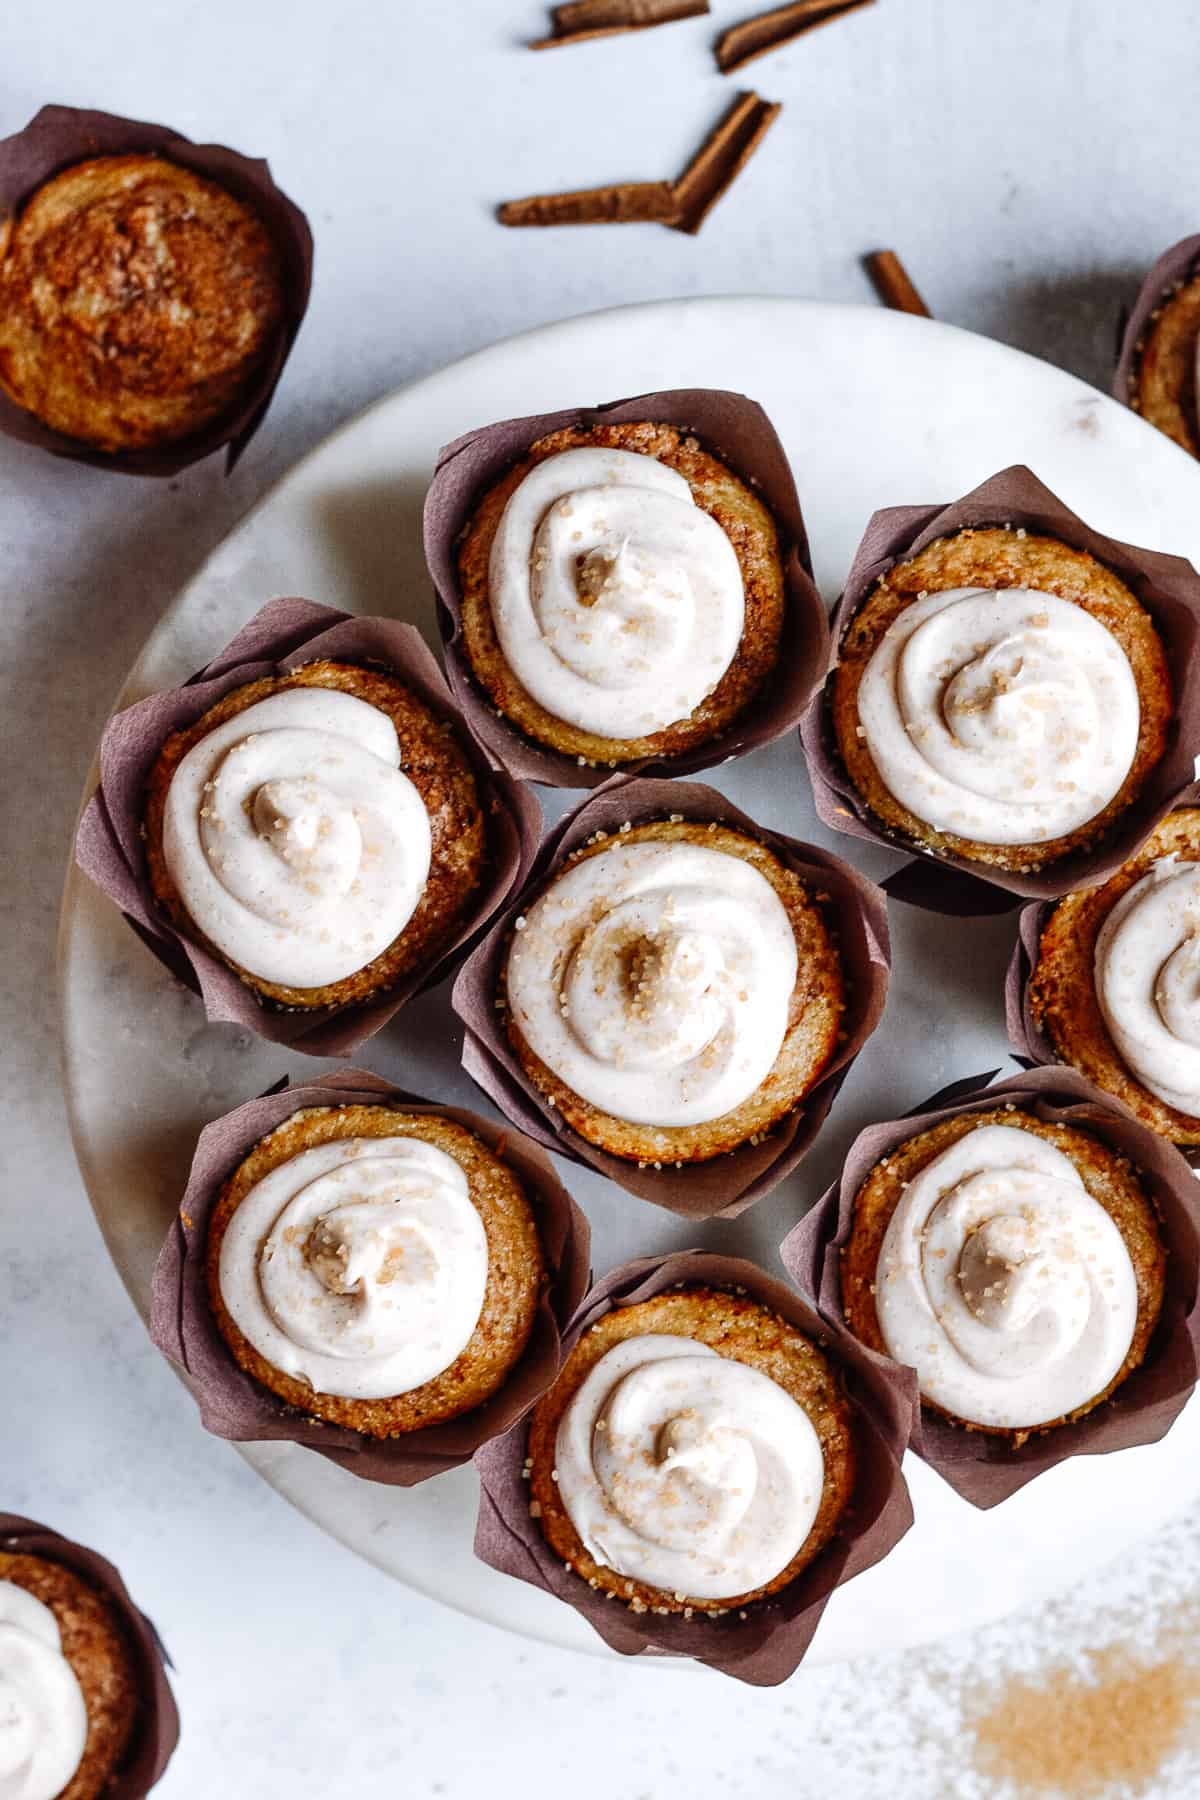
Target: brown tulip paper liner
{"x": 59, "y": 136}
{"x": 735, "y": 429}
{"x": 764, "y": 1643}
{"x": 156, "y": 1732}
{"x": 285, "y": 635}
{"x": 729, "y": 1183}
{"x": 986, "y": 1470}
{"x": 1178, "y": 264}
{"x": 234, "y": 1406}
{"x": 1167, "y": 586}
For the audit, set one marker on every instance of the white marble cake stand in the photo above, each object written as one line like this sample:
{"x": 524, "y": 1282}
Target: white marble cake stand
{"x": 875, "y": 409}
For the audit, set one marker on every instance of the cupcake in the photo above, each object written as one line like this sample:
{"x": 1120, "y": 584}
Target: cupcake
{"x": 1113, "y": 988}
{"x": 625, "y": 586}
{"x": 709, "y": 1457}
{"x": 1032, "y": 1256}
{"x": 307, "y": 823}
{"x": 150, "y": 290}
{"x": 1159, "y": 364}
{"x": 348, "y": 1258}
{"x": 84, "y": 1698}
{"x": 1012, "y": 691}
{"x": 643, "y": 1401}
{"x": 676, "y": 986}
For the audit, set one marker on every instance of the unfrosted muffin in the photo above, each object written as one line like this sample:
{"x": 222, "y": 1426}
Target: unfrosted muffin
{"x": 374, "y": 1268}
{"x": 1165, "y": 385}
{"x": 137, "y": 302}
{"x": 695, "y": 1454}
{"x": 69, "y": 1692}
{"x": 1001, "y": 696}
{"x": 1016, "y": 1265}
{"x": 321, "y": 832}
{"x": 622, "y": 592}
{"x": 674, "y": 991}
{"x": 1116, "y": 987}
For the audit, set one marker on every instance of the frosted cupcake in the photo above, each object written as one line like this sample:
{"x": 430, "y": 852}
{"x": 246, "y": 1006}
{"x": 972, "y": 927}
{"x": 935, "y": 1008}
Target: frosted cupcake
{"x": 85, "y": 1709}
{"x": 1015, "y": 695}
{"x": 625, "y": 586}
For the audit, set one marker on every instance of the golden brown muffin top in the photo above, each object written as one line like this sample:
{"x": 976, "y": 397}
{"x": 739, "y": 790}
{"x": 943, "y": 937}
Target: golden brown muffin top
{"x": 745, "y": 521}
{"x": 996, "y": 557}
{"x": 95, "y": 1646}
{"x": 1164, "y": 380}
{"x": 815, "y": 1012}
{"x": 515, "y": 1275}
{"x": 734, "y": 1325}
{"x": 437, "y": 765}
{"x": 1109, "y": 1178}
{"x": 135, "y": 299}
{"x": 1062, "y": 989}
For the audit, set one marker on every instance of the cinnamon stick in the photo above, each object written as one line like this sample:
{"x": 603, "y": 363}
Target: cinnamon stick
{"x": 578, "y": 21}
{"x": 623, "y": 203}
{"x": 721, "y": 158}
{"x": 772, "y": 30}
{"x": 683, "y": 205}
{"x": 893, "y": 283}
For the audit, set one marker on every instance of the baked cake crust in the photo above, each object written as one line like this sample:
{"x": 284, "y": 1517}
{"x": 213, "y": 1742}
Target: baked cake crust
{"x": 437, "y": 766}
{"x": 814, "y": 1019}
{"x": 734, "y": 1326}
{"x": 1109, "y": 1178}
{"x": 1000, "y": 557}
{"x": 137, "y": 300}
{"x": 1062, "y": 988}
{"x": 95, "y": 1646}
{"x": 1164, "y": 380}
{"x": 749, "y": 527}
{"x": 515, "y": 1278}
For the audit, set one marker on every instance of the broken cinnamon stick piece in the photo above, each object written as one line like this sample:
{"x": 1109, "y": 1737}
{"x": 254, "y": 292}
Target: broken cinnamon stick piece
{"x": 772, "y": 30}
{"x": 721, "y": 158}
{"x": 893, "y": 283}
{"x": 580, "y": 20}
{"x": 624, "y": 203}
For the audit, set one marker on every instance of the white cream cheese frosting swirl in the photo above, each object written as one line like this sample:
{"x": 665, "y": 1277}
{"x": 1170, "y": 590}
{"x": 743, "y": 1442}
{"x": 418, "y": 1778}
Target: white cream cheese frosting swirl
{"x": 686, "y": 1470}
{"x": 297, "y": 845}
{"x": 617, "y": 601}
{"x": 1006, "y": 716}
{"x": 1148, "y": 981}
{"x": 654, "y": 979}
{"x": 43, "y": 1716}
{"x": 1004, "y": 1284}
{"x": 358, "y": 1266}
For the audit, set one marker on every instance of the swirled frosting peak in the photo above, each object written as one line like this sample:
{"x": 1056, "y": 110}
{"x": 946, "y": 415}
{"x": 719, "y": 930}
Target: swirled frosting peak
{"x": 1004, "y": 1284}
{"x": 43, "y": 1716}
{"x": 617, "y": 601}
{"x": 654, "y": 979}
{"x": 358, "y": 1266}
{"x": 1004, "y": 715}
{"x": 1148, "y": 981}
{"x": 687, "y": 1471}
{"x": 296, "y": 844}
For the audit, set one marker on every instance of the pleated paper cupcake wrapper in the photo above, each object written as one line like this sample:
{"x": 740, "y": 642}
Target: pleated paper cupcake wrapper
{"x": 59, "y": 136}
{"x": 1178, "y": 264}
{"x": 156, "y": 1732}
{"x": 285, "y": 635}
{"x": 1167, "y": 586}
{"x": 733, "y": 428}
{"x": 764, "y": 1643}
{"x": 726, "y": 1185}
{"x": 235, "y": 1406}
{"x": 984, "y": 1469}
